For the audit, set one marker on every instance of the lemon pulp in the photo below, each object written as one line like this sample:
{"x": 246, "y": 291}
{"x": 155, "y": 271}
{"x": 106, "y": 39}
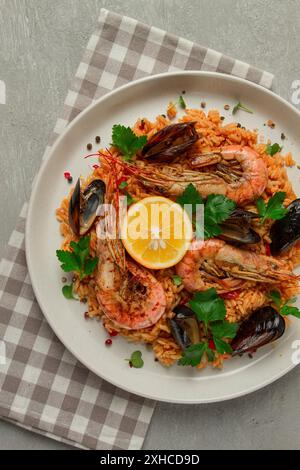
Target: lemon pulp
{"x": 156, "y": 232}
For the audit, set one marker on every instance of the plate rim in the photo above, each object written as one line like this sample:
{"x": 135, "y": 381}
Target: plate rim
{"x": 40, "y": 174}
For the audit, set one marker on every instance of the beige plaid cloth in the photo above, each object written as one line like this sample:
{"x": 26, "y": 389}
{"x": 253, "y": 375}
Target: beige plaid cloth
{"x": 43, "y": 387}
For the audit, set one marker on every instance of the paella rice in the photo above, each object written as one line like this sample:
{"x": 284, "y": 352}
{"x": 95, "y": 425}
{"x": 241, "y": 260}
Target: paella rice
{"x": 213, "y": 135}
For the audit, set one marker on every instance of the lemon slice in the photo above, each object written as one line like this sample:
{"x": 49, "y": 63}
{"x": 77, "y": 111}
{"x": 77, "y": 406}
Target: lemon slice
{"x": 156, "y": 232}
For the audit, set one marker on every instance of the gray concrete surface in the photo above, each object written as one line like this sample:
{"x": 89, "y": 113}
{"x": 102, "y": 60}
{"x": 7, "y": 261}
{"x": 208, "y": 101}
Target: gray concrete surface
{"x": 41, "y": 43}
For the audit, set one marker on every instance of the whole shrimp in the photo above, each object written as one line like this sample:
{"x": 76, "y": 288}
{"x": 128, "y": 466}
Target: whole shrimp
{"x": 214, "y": 263}
{"x": 131, "y": 298}
{"x": 242, "y": 184}
{"x": 128, "y": 294}
{"x": 250, "y": 183}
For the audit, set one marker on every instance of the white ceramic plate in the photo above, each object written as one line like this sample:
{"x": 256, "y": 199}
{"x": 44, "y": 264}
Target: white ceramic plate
{"x": 85, "y": 339}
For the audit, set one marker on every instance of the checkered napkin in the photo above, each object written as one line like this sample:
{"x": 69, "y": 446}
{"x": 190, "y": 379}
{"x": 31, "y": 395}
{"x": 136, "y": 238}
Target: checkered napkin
{"x": 43, "y": 387}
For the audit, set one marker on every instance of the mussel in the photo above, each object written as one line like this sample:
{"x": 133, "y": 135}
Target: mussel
{"x": 285, "y": 232}
{"x": 237, "y": 228}
{"x": 184, "y": 327}
{"x": 264, "y": 326}
{"x": 171, "y": 141}
{"x": 84, "y": 204}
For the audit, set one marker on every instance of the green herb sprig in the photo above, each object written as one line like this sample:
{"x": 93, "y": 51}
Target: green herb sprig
{"x": 67, "y": 291}
{"x": 177, "y": 280}
{"x": 127, "y": 141}
{"x": 241, "y": 106}
{"x": 209, "y": 309}
{"x": 181, "y": 102}
{"x": 78, "y": 260}
{"x": 274, "y": 209}
{"x": 285, "y": 308}
{"x": 273, "y": 149}
{"x": 217, "y": 209}
{"x": 136, "y": 360}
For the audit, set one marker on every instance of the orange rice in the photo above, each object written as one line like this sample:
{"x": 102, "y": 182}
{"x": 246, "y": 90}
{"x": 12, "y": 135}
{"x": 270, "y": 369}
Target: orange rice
{"x": 213, "y": 135}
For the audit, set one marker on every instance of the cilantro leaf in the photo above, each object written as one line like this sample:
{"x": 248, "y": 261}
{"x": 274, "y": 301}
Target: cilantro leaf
{"x": 177, "y": 280}
{"x": 136, "y": 360}
{"x": 68, "y": 291}
{"x": 272, "y": 149}
{"x": 222, "y": 347}
{"x": 208, "y": 306}
{"x": 193, "y": 354}
{"x": 182, "y": 102}
{"x": 190, "y": 196}
{"x": 223, "y": 329}
{"x": 126, "y": 141}
{"x": 276, "y": 297}
{"x": 78, "y": 260}
{"x": 273, "y": 209}
{"x": 240, "y": 105}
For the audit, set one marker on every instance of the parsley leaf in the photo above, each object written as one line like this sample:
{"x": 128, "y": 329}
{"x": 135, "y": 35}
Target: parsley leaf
{"x": 69, "y": 261}
{"x": 193, "y": 354}
{"x": 273, "y": 209}
{"x": 79, "y": 259}
{"x": 290, "y": 310}
{"x": 223, "y": 329}
{"x": 190, "y": 196}
{"x": 136, "y": 360}
{"x": 210, "y": 354}
{"x": 217, "y": 209}
{"x": 68, "y": 291}
{"x": 222, "y": 347}
{"x": 272, "y": 149}
{"x": 209, "y": 309}
{"x": 177, "y": 280}
{"x": 286, "y": 308}
{"x": 123, "y": 185}
{"x": 208, "y": 306}
{"x": 130, "y": 199}
{"x": 126, "y": 141}
{"x": 240, "y": 105}
{"x": 182, "y": 102}
{"x": 276, "y": 297}
{"x": 90, "y": 266}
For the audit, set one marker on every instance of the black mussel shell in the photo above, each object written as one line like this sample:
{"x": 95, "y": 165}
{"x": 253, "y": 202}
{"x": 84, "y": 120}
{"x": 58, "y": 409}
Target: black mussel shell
{"x": 237, "y": 228}
{"x": 241, "y": 214}
{"x": 83, "y": 206}
{"x": 171, "y": 141}
{"x": 184, "y": 327}
{"x": 285, "y": 232}
{"x": 264, "y": 326}
{"x": 74, "y": 209}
